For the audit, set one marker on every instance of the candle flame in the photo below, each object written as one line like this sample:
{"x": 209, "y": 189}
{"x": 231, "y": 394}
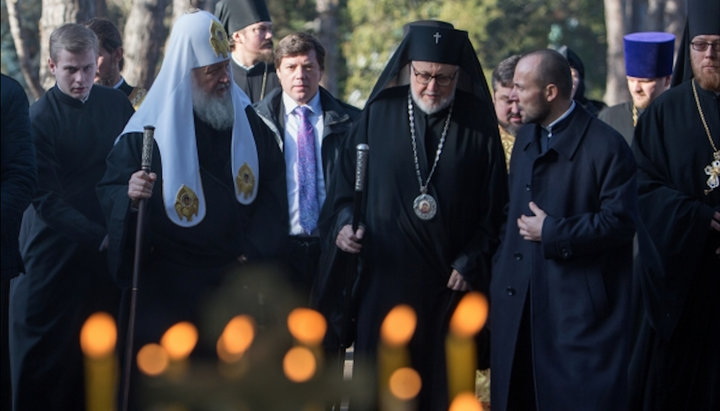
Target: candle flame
{"x": 306, "y": 325}
{"x": 152, "y": 359}
{"x": 465, "y": 401}
{"x": 236, "y": 338}
{"x": 299, "y": 364}
{"x": 405, "y": 383}
{"x": 98, "y": 335}
{"x": 470, "y": 315}
{"x": 399, "y": 325}
{"x": 179, "y": 340}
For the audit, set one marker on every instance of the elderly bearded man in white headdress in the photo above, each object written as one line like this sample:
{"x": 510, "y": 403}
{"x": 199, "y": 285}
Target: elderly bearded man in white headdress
{"x": 216, "y": 192}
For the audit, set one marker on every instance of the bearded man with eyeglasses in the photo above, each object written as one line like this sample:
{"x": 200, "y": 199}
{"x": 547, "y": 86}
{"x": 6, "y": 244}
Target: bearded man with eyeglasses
{"x": 676, "y": 363}
{"x": 436, "y": 187}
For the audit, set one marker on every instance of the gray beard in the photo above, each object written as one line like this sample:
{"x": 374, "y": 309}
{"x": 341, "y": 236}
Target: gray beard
{"x": 425, "y": 108}
{"x": 218, "y": 112}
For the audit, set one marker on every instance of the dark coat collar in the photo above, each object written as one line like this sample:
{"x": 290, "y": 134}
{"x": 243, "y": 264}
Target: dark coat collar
{"x": 567, "y": 140}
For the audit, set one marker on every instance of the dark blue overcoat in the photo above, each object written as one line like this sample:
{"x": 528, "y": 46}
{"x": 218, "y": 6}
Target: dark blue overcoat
{"x": 577, "y": 280}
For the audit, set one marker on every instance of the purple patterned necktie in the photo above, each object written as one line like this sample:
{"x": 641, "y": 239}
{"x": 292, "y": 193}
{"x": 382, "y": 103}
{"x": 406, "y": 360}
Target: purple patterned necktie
{"x": 307, "y": 167}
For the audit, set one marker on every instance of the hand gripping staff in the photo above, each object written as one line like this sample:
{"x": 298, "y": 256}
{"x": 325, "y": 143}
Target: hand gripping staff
{"x": 351, "y": 272}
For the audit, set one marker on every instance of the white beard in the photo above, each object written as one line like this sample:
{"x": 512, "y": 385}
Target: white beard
{"x": 218, "y": 112}
{"x": 435, "y": 108}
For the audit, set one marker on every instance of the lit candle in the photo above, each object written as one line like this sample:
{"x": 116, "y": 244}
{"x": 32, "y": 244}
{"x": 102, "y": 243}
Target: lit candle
{"x": 179, "y": 341}
{"x": 396, "y": 331}
{"x": 97, "y": 340}
{"x": 236, "y": 338}
{"x": 467, "y": 320}
{"x": 308, "y": 327}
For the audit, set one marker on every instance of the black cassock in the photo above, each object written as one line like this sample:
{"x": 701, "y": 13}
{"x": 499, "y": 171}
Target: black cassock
{"x": 66, "y": 277}
{"x": 407, "y": 260}
{"x": 251, "y": 80}
{"x": 676, "y": 364}
{"x": 185, "y": 267}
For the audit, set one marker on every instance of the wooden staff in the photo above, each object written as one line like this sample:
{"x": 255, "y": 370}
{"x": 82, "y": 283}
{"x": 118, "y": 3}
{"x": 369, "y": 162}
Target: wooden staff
{"x": 351, "y": 272}
{"x": 146, "y": 160}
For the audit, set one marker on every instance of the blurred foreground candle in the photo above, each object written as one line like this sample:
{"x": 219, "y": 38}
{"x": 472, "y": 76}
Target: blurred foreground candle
{"x": 467, "y": 320}
{"x": 465, "y": 402}
{"x": 308, "y": 327}
{"x": 299, "y": 364}
{"x": 97, "y": 340}
{"x": 179, "y": 341}
{"x": 396, "y": 331}
{"x": 236, "y": 338}
{"x": 152, "y": 359}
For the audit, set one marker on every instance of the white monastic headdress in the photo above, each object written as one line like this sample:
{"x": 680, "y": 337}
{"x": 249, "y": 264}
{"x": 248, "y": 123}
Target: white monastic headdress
{"x": 197, "y": 40}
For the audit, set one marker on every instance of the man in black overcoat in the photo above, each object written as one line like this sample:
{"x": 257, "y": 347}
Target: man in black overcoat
{"x": 559, "y": 296}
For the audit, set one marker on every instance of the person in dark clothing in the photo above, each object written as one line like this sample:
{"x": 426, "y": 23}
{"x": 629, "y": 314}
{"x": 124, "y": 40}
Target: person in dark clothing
{"x": 436, "y": 187}
{"x": 648, "y": 67}
{"x": 676, "y": 363}
{"x": 19, "y": 175}
{"x": 110, "y": 60}
{"x": 300, "y": 62}
{"x": 577, "y": 68}
{"x": 216, "y": 193}
{"x": 559, "y": 296}
{"x": 248, "y": 24}
{"x": 63, "y": 234}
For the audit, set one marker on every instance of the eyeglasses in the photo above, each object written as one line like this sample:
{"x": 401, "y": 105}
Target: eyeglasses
{"x": 703, "y": 45}
{"x": 425, "y": 78}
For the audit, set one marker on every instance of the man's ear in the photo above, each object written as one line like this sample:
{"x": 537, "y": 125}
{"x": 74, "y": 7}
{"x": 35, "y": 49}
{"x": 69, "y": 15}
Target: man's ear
{"x": 551, "y": 92}
{"x": 52, "y": 66}
{"x": 237, "y": 37}
{"x": 118, "y": 53}
{"x": 666, "y": 81}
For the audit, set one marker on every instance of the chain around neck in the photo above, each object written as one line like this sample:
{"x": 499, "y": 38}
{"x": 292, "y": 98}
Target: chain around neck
{"x": 716, "y": 153}
{"x": 443, "y": 135}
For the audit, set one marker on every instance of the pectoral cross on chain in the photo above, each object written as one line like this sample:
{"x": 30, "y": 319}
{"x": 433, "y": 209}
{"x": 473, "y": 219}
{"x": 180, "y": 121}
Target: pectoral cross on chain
{"x": 437, "y": 36}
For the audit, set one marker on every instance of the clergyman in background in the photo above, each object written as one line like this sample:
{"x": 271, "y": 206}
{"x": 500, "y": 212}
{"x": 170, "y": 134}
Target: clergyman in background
{"x": 648, "y": 68}
{"x": 248, "y": 24}
{"x": 506, "y": 110}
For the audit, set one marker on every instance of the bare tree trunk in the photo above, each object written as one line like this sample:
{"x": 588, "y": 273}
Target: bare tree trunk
{"x": 675, "y": 19}
{"x": 328, "y": 35}
{"x": 616, "y": 85}
{"x": 144, "y": 35}
{"x": 55, "y": 13}
{"x": 181, "y": 7}
{"x": 656, "y": 15}
{"x": 24, "y": 60}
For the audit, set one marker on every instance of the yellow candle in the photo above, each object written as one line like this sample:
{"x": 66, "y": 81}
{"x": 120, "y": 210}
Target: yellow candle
{"x": 396, "y": 331}
{"x": 461, "y": 360}
{"x": 467, "y": 320}
{"x": 97, "y": 340}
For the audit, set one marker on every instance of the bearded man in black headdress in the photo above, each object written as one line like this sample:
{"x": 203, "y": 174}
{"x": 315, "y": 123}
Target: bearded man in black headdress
{"x": 676, "y": 363}
{"x": 436, "y": 187}
{"x": 250, "y": 29}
